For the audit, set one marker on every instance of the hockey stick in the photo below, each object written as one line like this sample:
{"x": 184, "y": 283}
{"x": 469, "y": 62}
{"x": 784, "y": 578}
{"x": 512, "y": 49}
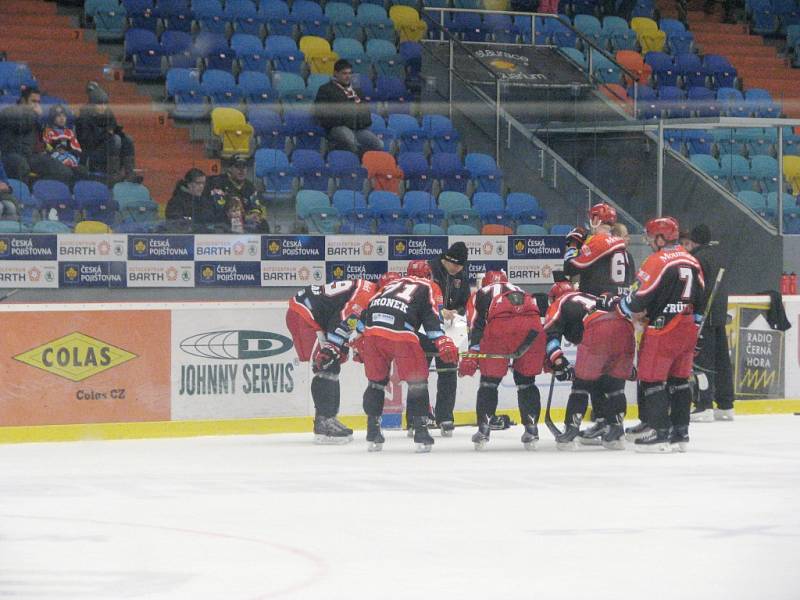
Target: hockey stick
{"x": 548, "y": 420}
{"x": 8, "y": 295}
{"x": 707, "y": 311}
{"x": 523, "y": 348}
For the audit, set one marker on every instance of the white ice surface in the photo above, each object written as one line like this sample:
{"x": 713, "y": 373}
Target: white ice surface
{"x": 275, "y": 516}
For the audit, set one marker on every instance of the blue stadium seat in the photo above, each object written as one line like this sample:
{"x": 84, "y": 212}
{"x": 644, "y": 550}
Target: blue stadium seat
{"x": 277, "y": 176}
{"x": 245, "y": 17}
{"x": 441, "y": 133}
{"x": 27, "y": 205}
{"x": 722, "y": 72}
{"x": 427, "y": 229}
{"x": 353, "y": 51}
{"x": 220, "y": 88}
{"x": 680, "y": 43}
{"x": 183, "y": 86}
{"x": 94, "y": 199}
{"x": 357, "y": 221}
{"x": 560, "y": 229}
{"x": 278, "y": 17}
{"x": 589, "y": 26}
{"x": 256, "y": 88}
{"x": 453, "y": 201}
{"x": 291, "y": 87}
{"x": 761, "y": 103}
{"x": 663, "y": 68}
{"x": 375, "y": 22}
{"x": 284, "y": 54}
{"x": 764, "y": 170}
{"x": 176, "y": 43}
{"x": 764, "y": 21}
{"x": 55, "y": 195}
{"x": 407, "y": 131}
{"x": 309, "y": 18}
{"x": 468, "y": 26}
{"x": 735, "y": 172}
{"x": 418, "y": 201}
{"x": 141, "y": 15}
{"x": 268, "y": 128}
{"x": 416, "y": 171}
{"x": 301, "y": 125}
{"x": 449, "y": 170}
{"x": 530, "y": 229}
{"x": 706, "y": 163}
{"x": 459, "y": 229}
{"x": 703, "y": 102}
{"x": 145, "y": 53}
{"x": 393, "y": 91}
{"x": 484, "y": 170}
{"x": 379, "y": 128}
{"x": 346, "y": 168}
{"x": 412, "y": 57}
{"x": 209, "y": 16}
{"x": 347, "y": 200}
{"x": 343, "y": 20}
{"x": 310, "y": 167}
{"x": 385, "y": 59}
{"x": 176, "y": 15}
{"x": 500, "y": 28}
{"x": 732, "y": 102}
{"x": 110, "y": 20}
{"x": 314, "y": 82}
{"x": 691, "y": 70}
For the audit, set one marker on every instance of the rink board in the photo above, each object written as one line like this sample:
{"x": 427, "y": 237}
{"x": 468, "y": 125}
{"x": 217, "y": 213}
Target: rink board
{"x": 132, "y": 370}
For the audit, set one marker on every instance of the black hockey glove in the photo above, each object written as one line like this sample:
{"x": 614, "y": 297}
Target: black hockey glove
{"x": 607, "y": 302}
{"x": 563, "y": 370}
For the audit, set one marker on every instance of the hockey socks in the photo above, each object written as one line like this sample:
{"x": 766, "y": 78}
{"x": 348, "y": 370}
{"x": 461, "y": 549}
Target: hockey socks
{"x": 528, "y": 398}
{"x": 325, "y": 393}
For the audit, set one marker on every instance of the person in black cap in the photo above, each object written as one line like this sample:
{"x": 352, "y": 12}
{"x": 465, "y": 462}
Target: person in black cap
{"x": 713, "y": 363}
{"x": 234, "y": 204}
{"x": 450, "y": 273}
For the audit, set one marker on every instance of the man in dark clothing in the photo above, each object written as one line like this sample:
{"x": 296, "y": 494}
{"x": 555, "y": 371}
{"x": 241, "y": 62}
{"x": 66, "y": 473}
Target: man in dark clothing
{"x": 343, "y": 113}
{"x": 450, "y": 274}
{"x": 106, "y": 148}
{"x": 232, "y": 202}
{"x": 21, "y": 141}
{"x": 713, "y": 363}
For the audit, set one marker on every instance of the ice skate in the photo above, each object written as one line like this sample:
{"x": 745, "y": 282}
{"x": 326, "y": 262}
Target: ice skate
{"x": 679, "y": 439}
{"x": 375, "y": 437}
{"x": 723, "y": 414}
{"x": 481, "y": 437}
{"x": 593, "y": 436}
{"x": 653, "y": 441}
{"x": 531, "y": 437}
{"x": 446, "y": 428}
{"x": 700, "y": 415}
{"x": 422, "y": 437}
{"x": 614, "y": 437}
{"x": 635, "y": 432}
{"x": 566, "y": 440}
{"x": 329, "y": 431}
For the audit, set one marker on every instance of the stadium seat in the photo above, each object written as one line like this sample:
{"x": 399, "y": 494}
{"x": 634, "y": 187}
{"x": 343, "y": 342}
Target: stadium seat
{"x": 663, "y": 68}
{"x": 764, "y": 169}
{"x": 92, "y": 227}
{"x": 256, "y": 88}
{"x": 318, "y": 54}
{"x": 245, "y": 17}
{"x": 267, "y": 127}
{"x": 55, "y": 196}
{"x": 764, "y": 21}
{"x": 633, "y": 62}
{"x": 735, "y": 171}
{"x": 500, "y": 28}
{"x": 451, "y": 201}
{"x": 308, "y": 201}
{"x": 375, "y": 22}
{"x": 291, "y": 88}
{"x": 393, "y": 91}
{"x": 448, "y": 169}
{"x": 305, "y": 132}
{"x": 27, "y": 206}
{"x": 357, "y": 221}
{"x": 51, "y": 227}
{"x": 407, "y": 131}
{"x": 791, "y": 172}
{"x": 755, "y": 201}
{"x": 385, "y": 59}
{"x": 530, "y": 229}
{"x": 177, "y": 47}
{"x": 416, "y": 171}
{"x": 561, "y": 229}
{"x": 249, "y": 52}
{"x": 383, "y": 172}
{"x": 232, "y": 131}
{"x": 13, "y": 227}
{"x": 310, "y": 167}
{"x": 789, "y": 202}
{"x": 483, "y": 169}
{"x": 459, "y": 229}
{"x": 732, "y": 102}
{"x": 310, "y": 19}
{"x": 378, "y": 127}
{"x": 680, "y": 43}
{"x": 353, "y": 51}
{"x": 94, "y": 200}
{"x": 761, "y": 103}
{"x": 722, "y": 72}
{"x": 589, "y": 26}
{"x": 417, "y": 202}
{"x": 284, "y": 54}
{"x": 408, "y": 24}
{"x": 703, "y": 102}
{"x": 441, "y": 133}
{"x": 691, "y": 70}
{"x": 209, "y": 16}
{"x": 314, "y": 82}
{"x": 706, "y": 163}
{"x": 427, "y": 229}
{"x": 277, "y": 176}
{"x": 496, "y": 229}
{"x": 348, "y": 200}
{"x": 380, "y": 201}
{"x": 220, "y": 88}
{"x": 605, "y": 70}
{"x": 141, "y": 14}
{"x": 347, "y": 170}
{"x": 342, "y": 18}
{"x": 110, "y": 20}
{"x": 176, "y": 15}
{"x": 125, "y": 193}
{"x": 279, "y": 19}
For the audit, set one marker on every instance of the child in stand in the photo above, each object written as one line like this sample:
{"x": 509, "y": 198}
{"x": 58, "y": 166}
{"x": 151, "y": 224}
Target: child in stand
{"x": 61, "y": 141}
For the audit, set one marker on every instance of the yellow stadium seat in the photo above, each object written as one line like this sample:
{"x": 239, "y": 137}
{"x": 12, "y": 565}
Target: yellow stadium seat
{"x": 791, "y": 172}
{"x": 642, "y": 24}
{"x": 318, "y": 53}
{"x": 92, "y": 227}
{"x": 408, "y": 23}
{"x": 496, "y": 4}
{"x": 652, "y": 41}
{"x": 233, "y": 131}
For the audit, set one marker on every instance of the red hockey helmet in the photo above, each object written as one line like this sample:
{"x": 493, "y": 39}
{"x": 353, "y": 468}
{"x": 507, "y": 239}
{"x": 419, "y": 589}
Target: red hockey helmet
{"x": 491, "y": 277}
{"x": 605, "y": 213}
{"x": 559, "y": 289}
{"x": 419, "y": 268}
{"x": 387, "y": 278}
{"x": 667, "y": 227}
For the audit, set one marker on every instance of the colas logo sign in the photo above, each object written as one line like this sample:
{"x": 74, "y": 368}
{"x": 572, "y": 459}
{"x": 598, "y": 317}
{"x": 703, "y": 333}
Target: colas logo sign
{"x": 75, "y": 357}
{"x": 226, "y": 375}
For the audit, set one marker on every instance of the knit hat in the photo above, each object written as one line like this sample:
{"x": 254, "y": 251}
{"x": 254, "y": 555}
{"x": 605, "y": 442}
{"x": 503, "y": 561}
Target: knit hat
{"x": 457, "y": 254}
{"x": 96, "y": 94}
{"x": 701, "y": 235}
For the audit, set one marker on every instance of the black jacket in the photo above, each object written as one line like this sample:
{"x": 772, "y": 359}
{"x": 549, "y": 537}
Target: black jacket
{"x": 220, "y": 192}
{"x": 19, "y": 130}
{"x": 455, "y": 288}
{"x": 93, "y": 129}
{"x": 332, "y": 108}
{"x": 710, "y": 259}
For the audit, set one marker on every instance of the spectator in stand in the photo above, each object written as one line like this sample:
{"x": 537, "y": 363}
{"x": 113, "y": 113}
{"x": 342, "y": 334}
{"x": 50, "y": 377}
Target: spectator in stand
{"x": 548, "y": 6}
{"x": 233, "y": 202}
{"x": 186, "y": 201}
{"x": 342, "y": 112}
{"x": 61, "y": 141}
{"x": 8, "y": 204}
{"x": 21, "y": 141}
{"x": 106, "y": 148}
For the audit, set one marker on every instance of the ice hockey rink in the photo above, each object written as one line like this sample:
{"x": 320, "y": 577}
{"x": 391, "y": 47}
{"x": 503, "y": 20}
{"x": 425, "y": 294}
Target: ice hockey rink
{"x": 275, "y": 516}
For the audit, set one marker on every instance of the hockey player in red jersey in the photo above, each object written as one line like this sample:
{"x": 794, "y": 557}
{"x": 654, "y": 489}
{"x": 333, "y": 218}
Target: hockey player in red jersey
{"x": 599, "y": 260}
{"x": 669, "y": 296}
{"x": 389, "y": 326}
{"x": 603, "y": 363}
{"x": 503, "y": 320}
{"x": 320, "y": 319}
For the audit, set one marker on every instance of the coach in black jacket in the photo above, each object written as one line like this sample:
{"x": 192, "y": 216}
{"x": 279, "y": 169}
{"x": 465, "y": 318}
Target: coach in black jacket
{"x": 713, "y": 359}
{"x": 450, "y": 273}
{"x": 344, "y": 114}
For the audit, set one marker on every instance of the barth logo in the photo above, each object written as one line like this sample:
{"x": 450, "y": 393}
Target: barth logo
{"x": 231, "y": 344}
{"x": 488, "y": 247}
{"x": 34, "y": 274}
{"x": 238, "y": 248}
{"x": 75, "y": 356}
{"x": 367, "y": 249}
{"x": 303, "y": 274}
{"x": 104, "y": 248}
{"x": 172, "y": 274}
